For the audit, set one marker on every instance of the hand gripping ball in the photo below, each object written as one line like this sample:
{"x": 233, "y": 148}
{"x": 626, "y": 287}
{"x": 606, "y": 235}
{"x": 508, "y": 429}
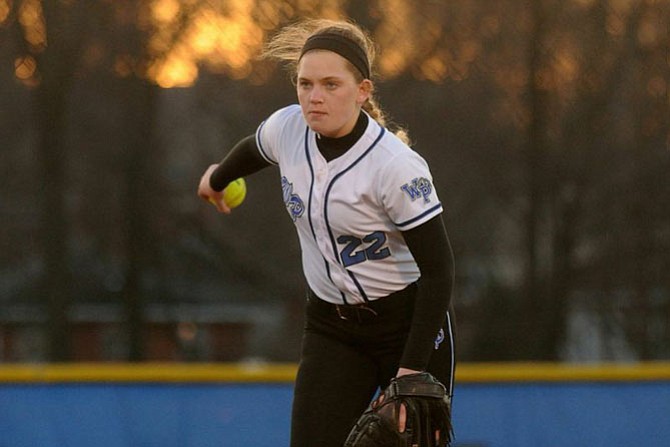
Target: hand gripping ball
{"x": 234, "y": 193}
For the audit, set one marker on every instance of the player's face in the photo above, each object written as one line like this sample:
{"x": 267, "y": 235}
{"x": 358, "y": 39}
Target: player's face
{"x": 329, "y": 94}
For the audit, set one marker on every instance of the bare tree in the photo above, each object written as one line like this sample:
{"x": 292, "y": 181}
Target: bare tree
{"x": 57, "y": 59}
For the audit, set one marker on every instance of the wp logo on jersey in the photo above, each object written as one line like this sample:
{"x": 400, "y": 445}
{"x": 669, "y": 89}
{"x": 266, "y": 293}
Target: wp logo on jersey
{"x": 418, "y": 188}
{"x": 294, "y": 204}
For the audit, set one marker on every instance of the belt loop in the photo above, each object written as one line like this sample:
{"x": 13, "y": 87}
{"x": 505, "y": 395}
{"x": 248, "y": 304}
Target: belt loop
{"x": 345, "y": 312}
{"x": 371, "y": 310}
{"x": 364, "y": 312}
{"x": 339, "y": 312}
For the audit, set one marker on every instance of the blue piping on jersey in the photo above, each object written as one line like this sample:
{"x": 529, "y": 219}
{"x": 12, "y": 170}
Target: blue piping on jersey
{"x": 260, "y": 145}
{"x": 414, "y": 219}
{"x": 359, "y": 286}
{"x": 309, "y": 209}
{"x": 311, "y": 185}
{"x": 325, "y": 207}
{"x": 452, "y": 368}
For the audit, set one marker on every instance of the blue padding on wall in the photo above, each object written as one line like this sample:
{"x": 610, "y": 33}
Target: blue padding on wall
{"x": 258, "y": 415}
{"x": 563, "y": 415}
{"x": 144, "y": 415}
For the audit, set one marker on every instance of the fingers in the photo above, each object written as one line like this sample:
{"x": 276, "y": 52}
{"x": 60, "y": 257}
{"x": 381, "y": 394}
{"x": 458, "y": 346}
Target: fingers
{"x": 390, "y": 410}
{"x": 402, "y": 425}
{"x": 206, "y": 192}
{"x": 220, "y": 204}
{"x": 402, "y": 418}
{"x": 203, "y": 186}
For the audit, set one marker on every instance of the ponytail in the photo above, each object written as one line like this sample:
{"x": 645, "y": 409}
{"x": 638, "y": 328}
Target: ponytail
{"x": 375, "y": 111}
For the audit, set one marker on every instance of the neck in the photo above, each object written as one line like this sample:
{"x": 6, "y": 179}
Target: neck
{"x": 333, "y": 147}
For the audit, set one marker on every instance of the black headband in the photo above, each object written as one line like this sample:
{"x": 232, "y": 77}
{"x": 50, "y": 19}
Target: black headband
{"x": 341, "y": 45}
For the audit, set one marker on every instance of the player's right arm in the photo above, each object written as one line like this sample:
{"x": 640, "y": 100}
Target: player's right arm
{"x": 244, "y": 159}
{"x": 252, "y": 154}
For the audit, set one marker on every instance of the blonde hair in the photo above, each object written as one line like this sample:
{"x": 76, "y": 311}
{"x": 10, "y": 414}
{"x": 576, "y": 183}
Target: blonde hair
{"x": 286, "y": 47}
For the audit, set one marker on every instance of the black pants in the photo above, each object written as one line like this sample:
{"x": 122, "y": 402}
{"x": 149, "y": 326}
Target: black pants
{"x": 347, "y": 355}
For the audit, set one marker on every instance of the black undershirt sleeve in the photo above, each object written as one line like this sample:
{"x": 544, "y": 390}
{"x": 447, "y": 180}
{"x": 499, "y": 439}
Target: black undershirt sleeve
{"x": 432, "y": 252}
{"x": 242, "y": 160}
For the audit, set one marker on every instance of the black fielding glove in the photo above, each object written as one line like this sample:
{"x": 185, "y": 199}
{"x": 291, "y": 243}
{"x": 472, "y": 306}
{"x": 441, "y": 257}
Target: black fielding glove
{"x": 428, "y": 410}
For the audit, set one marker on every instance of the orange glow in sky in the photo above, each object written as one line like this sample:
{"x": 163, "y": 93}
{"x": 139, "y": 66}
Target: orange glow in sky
{"x": 224, "y": 42}
{"x": 4, "y": 10}
{"x": 32, "y": 20}
{"x": 225, "y": 37}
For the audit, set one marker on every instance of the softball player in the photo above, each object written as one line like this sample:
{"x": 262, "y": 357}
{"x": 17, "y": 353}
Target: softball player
{"x": 375, "y": 252}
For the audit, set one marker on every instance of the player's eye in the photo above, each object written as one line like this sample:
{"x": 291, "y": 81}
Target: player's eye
{"x": 304, "y": 84}
{"x": 331, "y": 85}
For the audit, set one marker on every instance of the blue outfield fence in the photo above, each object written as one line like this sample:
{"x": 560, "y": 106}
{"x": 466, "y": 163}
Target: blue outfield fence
{"x": 495, "y": 405}
{"x": 108, "y": 415}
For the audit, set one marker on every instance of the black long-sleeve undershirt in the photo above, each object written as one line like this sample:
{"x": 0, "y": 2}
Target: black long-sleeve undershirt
{"x": 243, "y": 159}
{"x": 428, "y": 243}
{"x": 431, "y": 249}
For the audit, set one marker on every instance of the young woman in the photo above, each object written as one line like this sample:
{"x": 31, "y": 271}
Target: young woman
{"x": 375, "y": 252}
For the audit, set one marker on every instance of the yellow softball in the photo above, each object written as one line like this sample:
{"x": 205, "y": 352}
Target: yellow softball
{"x": 234, "y": 193}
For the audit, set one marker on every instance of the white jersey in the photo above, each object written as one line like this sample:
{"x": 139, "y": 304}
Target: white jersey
{"x": 350, "y": 212}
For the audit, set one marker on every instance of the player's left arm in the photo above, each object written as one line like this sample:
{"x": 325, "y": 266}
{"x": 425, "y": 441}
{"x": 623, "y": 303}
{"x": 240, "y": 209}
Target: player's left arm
{"x": 431, "y": 249}
{"x": 396, "y": 418}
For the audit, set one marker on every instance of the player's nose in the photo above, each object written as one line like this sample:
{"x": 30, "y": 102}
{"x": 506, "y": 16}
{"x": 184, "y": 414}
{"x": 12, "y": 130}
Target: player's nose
{"x": 316, "y": 95}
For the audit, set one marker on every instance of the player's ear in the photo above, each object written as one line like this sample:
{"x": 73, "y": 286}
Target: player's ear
{"x": 365, "y": 89}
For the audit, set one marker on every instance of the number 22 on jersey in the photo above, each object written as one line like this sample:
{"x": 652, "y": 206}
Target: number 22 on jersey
{"x": 369, "y": 248}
